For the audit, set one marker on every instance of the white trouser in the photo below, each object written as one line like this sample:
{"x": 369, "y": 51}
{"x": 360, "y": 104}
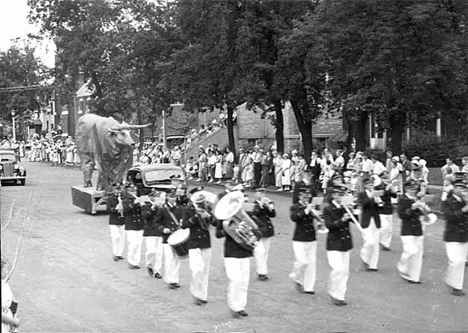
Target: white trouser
{"x": 118, "y": 239}
{"x": 199, "y": 263}
{"x": 171, "y": 265}
{"x": 238, "y": 273}
{"x": 305, "y": 265}
{"x": 261, "y": 252}
{"x": 370, "y": 247}
{"x": 410, "y": 263}
{"x": 337, "y": 283}
{"x": 154, "y": 252}
{"x": 456, "y": 254}
{"x": 134, "y": 240}
{"x": 386, "y": 229}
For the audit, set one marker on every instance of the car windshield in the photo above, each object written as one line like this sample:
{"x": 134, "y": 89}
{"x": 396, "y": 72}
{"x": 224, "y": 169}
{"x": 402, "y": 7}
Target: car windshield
{"x": 163, "y": 176}
{"x": 7, "y": 158}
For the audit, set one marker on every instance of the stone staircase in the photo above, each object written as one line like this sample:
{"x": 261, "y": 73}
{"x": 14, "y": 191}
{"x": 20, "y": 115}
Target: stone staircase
{"x": 219, "y": 137}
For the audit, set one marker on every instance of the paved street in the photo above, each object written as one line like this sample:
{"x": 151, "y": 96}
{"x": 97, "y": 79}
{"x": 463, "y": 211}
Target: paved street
{"x": 66, "y": 281}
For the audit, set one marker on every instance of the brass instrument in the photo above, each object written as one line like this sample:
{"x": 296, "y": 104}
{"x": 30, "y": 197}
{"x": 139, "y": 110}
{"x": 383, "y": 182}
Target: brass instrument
{"x": 353, "y": 218}
{"x": 236, "y": 222}
{"x": 203, "y": 202}
{"x": 119, "y": 206}
{"x": 427, "y": 217}
{"x": 321, "y": 227}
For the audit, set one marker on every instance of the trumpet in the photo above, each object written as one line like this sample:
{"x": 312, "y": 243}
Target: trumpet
{"x": 321, "y": 227}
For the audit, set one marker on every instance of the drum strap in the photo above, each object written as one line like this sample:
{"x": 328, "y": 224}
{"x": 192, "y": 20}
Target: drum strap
{"x": 173, "y": 218}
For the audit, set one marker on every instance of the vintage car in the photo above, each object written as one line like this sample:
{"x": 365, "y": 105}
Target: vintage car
{"x": 161, "y": 176}
{"x": 10, "y": 168}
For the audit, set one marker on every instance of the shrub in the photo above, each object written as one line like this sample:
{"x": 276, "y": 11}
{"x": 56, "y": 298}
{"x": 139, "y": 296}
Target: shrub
{"x": 432, "y": 148}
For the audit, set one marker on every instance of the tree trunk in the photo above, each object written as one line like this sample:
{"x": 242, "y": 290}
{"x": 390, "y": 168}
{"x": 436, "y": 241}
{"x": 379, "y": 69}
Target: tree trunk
{"x": 305, "y": 127}
{"x": 279, "y": 126}
{"x": 359, "y": 127}
{"x": 230, "y": 129}
{"x": 397, "y": 127}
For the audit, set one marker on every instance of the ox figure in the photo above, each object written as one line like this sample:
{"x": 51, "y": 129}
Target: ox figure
{"x": 106, "y": 144}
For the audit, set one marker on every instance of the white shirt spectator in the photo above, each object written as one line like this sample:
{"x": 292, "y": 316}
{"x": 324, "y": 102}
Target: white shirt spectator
{"x": 379, "y": 168}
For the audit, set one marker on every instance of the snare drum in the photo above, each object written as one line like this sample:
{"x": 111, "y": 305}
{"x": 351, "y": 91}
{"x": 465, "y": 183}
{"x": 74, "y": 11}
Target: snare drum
{"x": 178, "y": 241}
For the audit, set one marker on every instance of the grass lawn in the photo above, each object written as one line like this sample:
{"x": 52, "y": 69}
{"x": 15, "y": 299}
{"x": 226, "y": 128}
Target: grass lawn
{"x": 435, "y": 176}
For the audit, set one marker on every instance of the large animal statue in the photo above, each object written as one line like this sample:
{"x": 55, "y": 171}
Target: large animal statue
{"x": 106, "y": 144}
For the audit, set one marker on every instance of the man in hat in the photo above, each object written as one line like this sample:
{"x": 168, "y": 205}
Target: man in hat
{"x": 198, "y": 218}
{"x": 116, "y": 220}
{"x": 263, "y": 211}
{"x": 409, "y": 211}
{"x": 304, "y": 242}
{"x": 168, "y": 219}
{"x": 152, "y": 235}
{"x": 389, "y": 193}
{"x": 237, "y": 265}
{"x": 339, "y": 244}
{"x": 455, "y": 210}
{"x": 370, "y": 222}
{"x": 134, "y": 225}
{"x": 257, "y": 165}
{"x": 202, "y": 165}
{"x": 306, "y": 181}
{"x": 417, "y": 176}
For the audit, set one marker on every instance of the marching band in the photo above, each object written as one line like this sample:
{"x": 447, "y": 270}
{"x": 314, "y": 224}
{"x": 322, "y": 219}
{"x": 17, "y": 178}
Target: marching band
{"x": 175, "y": 229}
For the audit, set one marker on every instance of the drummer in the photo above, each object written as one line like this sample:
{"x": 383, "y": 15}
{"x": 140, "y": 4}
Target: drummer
{"x": 199, "y": 218}
{"x": 168, "y": 219}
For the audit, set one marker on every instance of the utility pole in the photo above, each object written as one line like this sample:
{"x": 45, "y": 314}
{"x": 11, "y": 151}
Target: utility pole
{"x": 13, "y": 117}
{"x": 164, "y": 129}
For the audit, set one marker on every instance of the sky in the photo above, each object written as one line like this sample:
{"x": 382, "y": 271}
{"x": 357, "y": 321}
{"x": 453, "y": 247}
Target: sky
{"x": 14, "y": 24}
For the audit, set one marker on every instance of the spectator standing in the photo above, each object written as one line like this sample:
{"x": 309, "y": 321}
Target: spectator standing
{"x": 451, "y": 165}
{"x": 202, "y": 165}
{"x": 229, "y": 163}
{"x": 465, "y": 164}
{"x": 278, "y": 166}
{"x": 286, "y": 170}
{"x": 257, "y": 165}
{"x": 378, "y": 167}
{"x": 406, "y": 164}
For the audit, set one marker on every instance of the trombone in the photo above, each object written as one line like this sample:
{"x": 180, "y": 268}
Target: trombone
{"x": 353, "y": 218}
{"x": 321, "y": 227}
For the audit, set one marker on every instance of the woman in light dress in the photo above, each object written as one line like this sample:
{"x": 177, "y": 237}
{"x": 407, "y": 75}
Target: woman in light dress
{"x": 286, "y": 169}
{"x": 278, "y": 166}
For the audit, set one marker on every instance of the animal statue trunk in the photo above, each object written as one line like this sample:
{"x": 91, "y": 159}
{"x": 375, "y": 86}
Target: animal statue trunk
{"x": 106, "y": 145}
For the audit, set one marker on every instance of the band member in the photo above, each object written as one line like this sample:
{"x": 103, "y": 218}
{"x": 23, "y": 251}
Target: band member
{"x": 339, "y": 244}
{"x": 263, "y": 211}
{"x": 153, "y": 236}
{"x": 456, "y": 236}
{"x": 304, "y": 243}
{"x": 370, "y": 222}
{"x": 237, "y": 265}
{"x": 386, "y": 211}
{"x": 306, "y": 181}
{"x": 409, "y": 211}
{"x": 116, "y": 220}
{"x": 133, "y": 227}
{"x": 199, "y": 218}
{"x": 168, "y": 219}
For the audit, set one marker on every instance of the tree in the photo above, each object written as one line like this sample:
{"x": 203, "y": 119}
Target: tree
{"x": 404, "y": 62}
{"x": 20, "y": 68}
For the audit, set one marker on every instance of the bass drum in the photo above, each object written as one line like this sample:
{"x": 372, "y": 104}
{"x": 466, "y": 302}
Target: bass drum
{"x": 178, "y": 241}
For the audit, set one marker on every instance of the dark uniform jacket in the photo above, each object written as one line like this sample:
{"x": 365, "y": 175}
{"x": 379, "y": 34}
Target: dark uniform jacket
{"x": 231, "y": 248}
{"x": 114, "y": 215}
{"x": 132, "y": 213}
{"x": 263, "y": 219}
{"x": 387, "y": 208}
{"x": 410, "y": 223}
{"x": 164, "y": 220}
{"x": 456, "y": 227}
{"x": 149, "y": 217}
{"x": 369, "y": 209}
{"x": 304, "y": 230}
{"x": 339, "y": 235}
{"x": 199, "y": 228}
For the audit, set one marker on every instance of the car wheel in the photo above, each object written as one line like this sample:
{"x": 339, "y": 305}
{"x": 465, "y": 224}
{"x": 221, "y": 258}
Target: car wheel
{"x": 22, "y": 182}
